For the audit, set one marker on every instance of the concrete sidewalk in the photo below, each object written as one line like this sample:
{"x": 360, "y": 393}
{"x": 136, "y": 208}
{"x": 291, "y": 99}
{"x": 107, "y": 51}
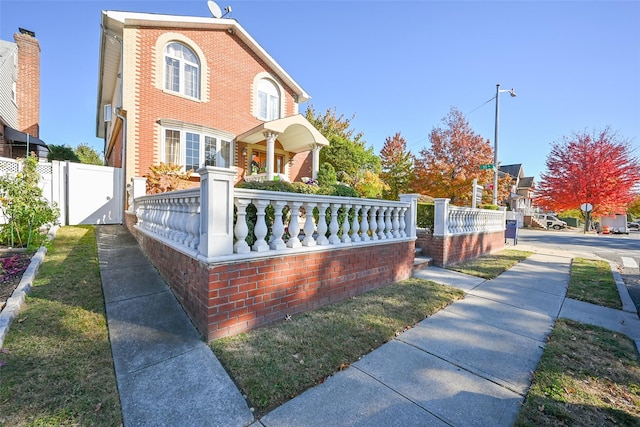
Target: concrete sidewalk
{"x": 166, "y": 375}
{"x": 469, "y": 364}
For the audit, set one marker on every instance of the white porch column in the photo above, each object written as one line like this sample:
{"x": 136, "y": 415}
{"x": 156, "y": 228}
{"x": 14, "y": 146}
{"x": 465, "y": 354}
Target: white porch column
{"x": 441, "y": 217}
{"x": 271, "y": 150}
{"x": 216, "y": 211}
{"x": 315, "y": 165}
{"x": 411, "y": 215}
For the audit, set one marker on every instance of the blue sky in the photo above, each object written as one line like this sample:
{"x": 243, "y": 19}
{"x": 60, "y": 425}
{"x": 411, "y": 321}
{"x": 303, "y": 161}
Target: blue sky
{"x": 399, "y": 66}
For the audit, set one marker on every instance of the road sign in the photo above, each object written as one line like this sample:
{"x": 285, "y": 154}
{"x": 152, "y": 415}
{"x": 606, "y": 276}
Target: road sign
{"x": 586, "y": 207}
{"x": 485, "y": 167}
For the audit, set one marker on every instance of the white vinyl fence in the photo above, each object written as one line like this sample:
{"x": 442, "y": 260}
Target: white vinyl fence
{"x": 85, "y": 194}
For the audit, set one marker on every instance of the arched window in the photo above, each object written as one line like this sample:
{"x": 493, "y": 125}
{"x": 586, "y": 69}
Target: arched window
{"x": 181, "y": 70}
{"x": 268, "y": 100}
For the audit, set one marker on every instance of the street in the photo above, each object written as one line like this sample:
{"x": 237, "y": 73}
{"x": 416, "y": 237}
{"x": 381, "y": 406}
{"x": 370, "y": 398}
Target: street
{"x": 623, "y": 249}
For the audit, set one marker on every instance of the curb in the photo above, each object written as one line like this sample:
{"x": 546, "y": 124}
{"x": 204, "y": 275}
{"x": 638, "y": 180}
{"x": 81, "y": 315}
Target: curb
{"x": 623, "y": 291}
{"x": 16, "y": 301}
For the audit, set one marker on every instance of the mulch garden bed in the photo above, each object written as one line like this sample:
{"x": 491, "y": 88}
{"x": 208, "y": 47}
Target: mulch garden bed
{"x": 13, "y": 263}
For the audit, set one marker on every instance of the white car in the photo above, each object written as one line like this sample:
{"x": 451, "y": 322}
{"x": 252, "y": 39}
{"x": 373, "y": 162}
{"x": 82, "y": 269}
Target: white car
{"x": 552, "y": 221}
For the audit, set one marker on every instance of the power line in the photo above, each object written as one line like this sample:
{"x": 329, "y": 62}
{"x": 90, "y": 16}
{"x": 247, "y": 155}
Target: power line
{"x": 481, "y": 105}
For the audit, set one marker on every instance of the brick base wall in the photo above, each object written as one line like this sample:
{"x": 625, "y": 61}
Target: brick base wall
{"x": 449, "y": 250}
{"x": 226, "y": 299}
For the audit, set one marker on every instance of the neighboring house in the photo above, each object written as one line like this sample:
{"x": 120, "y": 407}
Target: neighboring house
{"x": 20, "y": 97}
{"x": 522, "y": 189}
{"x": 198, "y": 91}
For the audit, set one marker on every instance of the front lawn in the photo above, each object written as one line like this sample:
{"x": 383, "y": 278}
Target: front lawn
{"x": 56, "y": 367}
{"x": 276, "y": 363}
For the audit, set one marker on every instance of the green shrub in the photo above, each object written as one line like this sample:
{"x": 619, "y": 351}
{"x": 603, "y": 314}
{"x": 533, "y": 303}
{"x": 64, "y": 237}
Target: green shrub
{"x": 340, "y": 190}
{"x": 26, "y": 210}
{"x": 268, "y": 185}
{"x": 327, "y": 175}
{"x": 425, "y": 215}
{"x": 490, "y": 207}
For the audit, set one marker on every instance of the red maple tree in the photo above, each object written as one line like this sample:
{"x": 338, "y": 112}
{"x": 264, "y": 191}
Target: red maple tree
{"x": 597, "y": 168}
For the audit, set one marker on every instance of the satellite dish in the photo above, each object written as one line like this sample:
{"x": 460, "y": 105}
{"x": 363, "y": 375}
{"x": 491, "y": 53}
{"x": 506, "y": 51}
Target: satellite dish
{"x": 214, "y": 9}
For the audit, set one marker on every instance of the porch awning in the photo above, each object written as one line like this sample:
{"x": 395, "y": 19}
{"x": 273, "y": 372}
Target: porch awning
{"x": 295, "y": 133}
{"x": 15, "y": 137}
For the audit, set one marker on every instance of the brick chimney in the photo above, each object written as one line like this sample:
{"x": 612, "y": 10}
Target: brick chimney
{"x": 28, "y": 83}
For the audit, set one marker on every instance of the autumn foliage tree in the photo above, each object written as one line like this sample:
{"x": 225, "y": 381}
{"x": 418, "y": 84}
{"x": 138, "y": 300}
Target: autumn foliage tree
{"x": 397, "y": 166}
{"x": 447, "y": 169}
{"x": 355, "y": 164}
{"x": 597, "y": 168}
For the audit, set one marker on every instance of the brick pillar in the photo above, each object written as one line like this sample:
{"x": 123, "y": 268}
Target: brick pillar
{"x": 28, "y": 83}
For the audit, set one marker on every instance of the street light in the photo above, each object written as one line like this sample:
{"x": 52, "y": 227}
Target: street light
{"x": 495, "y": 149}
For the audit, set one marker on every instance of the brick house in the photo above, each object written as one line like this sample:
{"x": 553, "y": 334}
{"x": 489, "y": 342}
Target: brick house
{"x": 20, "y": 96}
{"x": 198, "y": 91}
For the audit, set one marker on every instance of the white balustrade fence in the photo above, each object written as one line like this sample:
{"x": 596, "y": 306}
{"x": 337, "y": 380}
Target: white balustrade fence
{"x": 218, "y": 221}
{"x": 200, "y": 222}
{"x": 452, "y": 220}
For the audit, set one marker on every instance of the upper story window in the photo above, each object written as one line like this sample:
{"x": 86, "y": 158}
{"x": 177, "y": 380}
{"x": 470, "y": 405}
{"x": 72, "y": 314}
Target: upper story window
{"x": 268, "y": 101}
{"x": 181, "y": 70}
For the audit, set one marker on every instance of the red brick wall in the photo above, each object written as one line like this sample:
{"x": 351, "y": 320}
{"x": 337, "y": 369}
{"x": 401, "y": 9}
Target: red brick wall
{"x": 451, "y": 250}
{"x": 226, "y": 299}
{"x": 28, "y": 84}
{"x": 232, "y": 69}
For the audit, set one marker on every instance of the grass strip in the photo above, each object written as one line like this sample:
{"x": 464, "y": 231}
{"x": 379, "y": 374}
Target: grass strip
{"x": 588, "y": 376}
{"x": 274, "y": 364}
{"x": 491, "y": 266}
{"x": 56, "y": 361}
{"x": 592, "y": 281}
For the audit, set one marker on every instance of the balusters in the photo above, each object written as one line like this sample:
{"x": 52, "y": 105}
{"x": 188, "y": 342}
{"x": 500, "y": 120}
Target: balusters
{"x": 395, "y": 223}
{"x": 364, "y": 224}
{"x": 388, "y": 226}
{"x": 381, "y": 233}
{"x": 308, "y": 225}
{"x": 277, "y": 230}
{"x": 294, "y": 226}
{"x": 333, "y": 225}
{"x": 345, "y": 225}
{"x": 241, "y": 229}
{"x": 321, "y": 239}
{"x": 193, "y": 223}
{"x": 355, "y": 225}
{"x": 260, "y": 229}
{"x": 403, "y": 224}
{"x": 373, "y": 224}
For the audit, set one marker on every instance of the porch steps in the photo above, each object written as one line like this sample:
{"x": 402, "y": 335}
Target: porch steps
{"x": 420, "y": 261}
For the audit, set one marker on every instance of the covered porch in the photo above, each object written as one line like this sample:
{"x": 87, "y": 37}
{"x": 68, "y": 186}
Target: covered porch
{"x": 268, "y": 150}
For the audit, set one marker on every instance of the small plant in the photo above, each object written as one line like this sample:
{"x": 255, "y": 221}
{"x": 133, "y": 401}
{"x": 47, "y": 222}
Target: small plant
{"x": 24, "y": 207}
{"x": 10, "y": 266}
{"x": 165, "y": 177}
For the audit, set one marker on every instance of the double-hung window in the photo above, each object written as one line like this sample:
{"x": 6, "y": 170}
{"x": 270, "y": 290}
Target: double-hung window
{"x": 196, "y": 149}
{"x": 181, "y": 70}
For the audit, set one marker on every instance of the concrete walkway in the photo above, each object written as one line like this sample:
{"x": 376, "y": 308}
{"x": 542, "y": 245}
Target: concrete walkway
{"x": 469, "y": 364}
{"x": 166, "y": 375}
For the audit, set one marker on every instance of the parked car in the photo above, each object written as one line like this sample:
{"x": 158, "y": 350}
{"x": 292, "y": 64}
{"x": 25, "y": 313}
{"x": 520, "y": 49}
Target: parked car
{"x": 633, "y": 226}
{"x": 552, "y": 221}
